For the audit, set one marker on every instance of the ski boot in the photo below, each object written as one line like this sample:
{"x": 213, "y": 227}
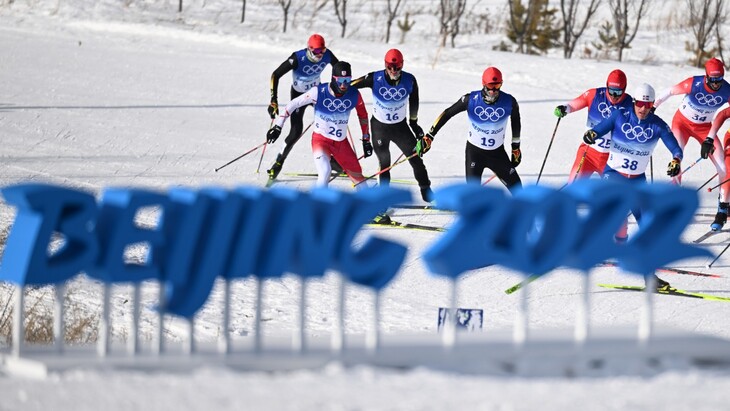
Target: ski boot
{"x": 720, "y": 217}
{"x": 382, "y": 218}
{"x": 276, "y": 167}
{"x": 661, "y": 285}
{"x": 426, "y": 194}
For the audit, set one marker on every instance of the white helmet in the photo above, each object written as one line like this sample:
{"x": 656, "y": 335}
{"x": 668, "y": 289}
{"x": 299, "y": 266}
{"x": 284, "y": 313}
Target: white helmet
{"x": 644, "y": 92}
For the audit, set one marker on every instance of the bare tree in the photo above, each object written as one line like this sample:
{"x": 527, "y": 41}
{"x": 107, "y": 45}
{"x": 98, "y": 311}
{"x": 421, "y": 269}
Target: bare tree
{"x": 341, "y": 12}
{"x": 285, "y": 8}
{"x": 179, "y": 6}
{"x": 719, "y": 36}
{"x": 392, "y": 14}
{"x": 704, "y": 16}
{"x": 405, "y": 26}
{"x": 572, "y": 28}
{"x": 243, "y": 11}
{"x": 450, "y": 12}
{"x": 622, "y": 11}
{"x": 520, "y": 21}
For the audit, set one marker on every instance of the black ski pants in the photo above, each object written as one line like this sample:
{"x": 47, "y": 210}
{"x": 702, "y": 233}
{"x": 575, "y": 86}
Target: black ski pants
{"x": 402, "y": 136}
{"x": 496, "y": 160}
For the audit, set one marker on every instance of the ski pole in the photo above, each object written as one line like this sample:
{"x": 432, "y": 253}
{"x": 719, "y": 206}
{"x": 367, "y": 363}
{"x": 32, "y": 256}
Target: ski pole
{"x": 386, "y": 169}
{"x": 489, "y": 179}
{"x": 265, "y": 144}
{"x": 718, "y": 256}
{"x": 548, "y": 151}
{"x": 262, "y": 157}
{"x": 345, "y": 171}
{"x": 241, "y": 156}
{"x": 706, "y": 182}
{"x": 718, "y": 185}
{"x": 577, "y": 171}
{"x": 651, "y": 168}
{"x": 676, "y": 178}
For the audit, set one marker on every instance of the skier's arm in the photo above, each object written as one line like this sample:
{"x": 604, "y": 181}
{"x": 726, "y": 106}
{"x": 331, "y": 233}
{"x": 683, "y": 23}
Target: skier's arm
{"x": 515, "y": 122}
{"x": 607, "y": 124}
{"x": 310, "y": 97}
{"x": 362, "y": 114}
{"x": 365, "y": 81}
{"x": 446, "y": 115}
{"x": 580, "y": 102}
{"x": 413, "y": 102}
{"x": 333, "y": 60}
{"x": 680, "y": 88}
{"x": 718, "y": 122}
{"x": 670, "y": 141}
{"x": 288, "y": 65}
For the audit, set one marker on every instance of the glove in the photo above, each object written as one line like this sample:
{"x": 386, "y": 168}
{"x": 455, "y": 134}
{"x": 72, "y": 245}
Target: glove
{"x": 516, "y": 154}
{"x": 424, "y": 144}
{"x": 367, "y": 146}
{"x": 708, "y": 147}
{"x": 673, "y": 168}
{"x": 417, "y": 130}
{"x": 590, "y": 137}
{"x": 273, "y": 109}
{"x": 561, "y": 111}
{"x": 273, "y": 134}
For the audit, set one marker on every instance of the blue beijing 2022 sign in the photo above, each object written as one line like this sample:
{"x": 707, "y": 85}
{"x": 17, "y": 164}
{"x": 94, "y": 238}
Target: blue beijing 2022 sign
{"x": 213, "y": 232}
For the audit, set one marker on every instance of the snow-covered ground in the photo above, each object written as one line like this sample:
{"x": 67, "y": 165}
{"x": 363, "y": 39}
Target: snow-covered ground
{"x": 111, "y": 96}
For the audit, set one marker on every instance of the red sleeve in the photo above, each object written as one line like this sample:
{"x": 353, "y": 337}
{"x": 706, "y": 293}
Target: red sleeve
{"x": 582, "y": 101}
{"x": 362, "y": 114}
{"x": 718, "y": 122}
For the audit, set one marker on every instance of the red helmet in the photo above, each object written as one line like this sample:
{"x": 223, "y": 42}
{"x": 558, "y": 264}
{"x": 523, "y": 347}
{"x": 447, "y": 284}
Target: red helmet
{"x": 315, "y": 42}
{"x": 714, "y": 68}
{"x": 491, "y": 75}
{"x": 616, "y": 79}
{"x": 394, "y": 57}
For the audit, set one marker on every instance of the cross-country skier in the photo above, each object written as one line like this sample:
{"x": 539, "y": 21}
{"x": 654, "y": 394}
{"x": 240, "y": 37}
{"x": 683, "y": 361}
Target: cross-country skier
{"x": 703, "y": 96}
{"x": 635, "y": 134}
{"x": 488, "y": 110}
{"x": 306, "y": 66}
{"x": 332, "y": 103}
{"x": 601, "y": 102}
{"x": 395, "y": 100}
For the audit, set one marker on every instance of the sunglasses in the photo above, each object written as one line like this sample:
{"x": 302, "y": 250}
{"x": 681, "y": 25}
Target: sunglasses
{"x": 341, "y": 81}
{"x": 393, "y": 67}
{"x": 714, "y": 79}
{"x": 644, "y": 104}
{"x": 318, "y": 51}
{"x": 493, "y": 86}
{"x": 615, "y": 92}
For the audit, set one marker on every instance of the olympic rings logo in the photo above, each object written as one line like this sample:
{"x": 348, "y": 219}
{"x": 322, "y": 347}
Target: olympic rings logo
{"x": 637, "y": 133}
{"x": 314, "y": 68}
{"x": 708, "y": 99}
{"x": 337, "y": 104}
{"x": 604, "y": 109}
{"x": 392, "y": 93}
{"x": 489, "y": 113}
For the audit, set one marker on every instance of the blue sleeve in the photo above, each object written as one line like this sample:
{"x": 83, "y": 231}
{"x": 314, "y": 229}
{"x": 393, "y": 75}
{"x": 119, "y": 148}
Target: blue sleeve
{"x": 607, "y": 124}
{"x": 669, "y": 140}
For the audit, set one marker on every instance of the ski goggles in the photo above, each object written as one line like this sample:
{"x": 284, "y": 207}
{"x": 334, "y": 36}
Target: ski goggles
{"x": 714, "y": 79}
{"x": 394, "y": 68}
{"x": 615, "y": 92}
{"x": 644, "y": 104}
{"x": 344, "y": 80}
{"x": 493, "y": 86}
{"x": 318, "y": 51}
